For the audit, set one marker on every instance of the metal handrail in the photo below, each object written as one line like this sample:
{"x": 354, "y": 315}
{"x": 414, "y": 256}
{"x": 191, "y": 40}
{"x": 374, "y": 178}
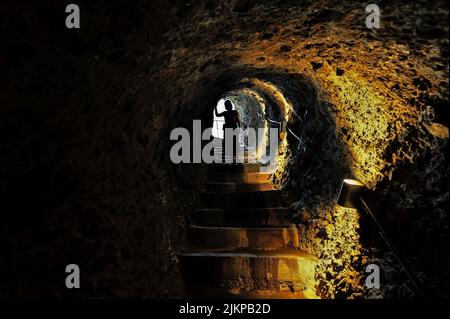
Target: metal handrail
{"x": 269, "y": 119}
{"x": 299, "y": 139}
{"x": 409, "y": 272}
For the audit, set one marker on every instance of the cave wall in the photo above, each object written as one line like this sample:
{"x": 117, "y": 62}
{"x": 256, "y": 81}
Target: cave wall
{"x": 86, "y": 176}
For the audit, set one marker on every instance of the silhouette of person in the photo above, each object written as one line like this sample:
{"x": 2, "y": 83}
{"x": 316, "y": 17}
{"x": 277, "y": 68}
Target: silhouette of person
{"x": 231, "y": 121}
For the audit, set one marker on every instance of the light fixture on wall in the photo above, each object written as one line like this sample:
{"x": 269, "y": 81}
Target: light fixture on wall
{"x": 349, "y": 193}
{"x": 350, "y": 197}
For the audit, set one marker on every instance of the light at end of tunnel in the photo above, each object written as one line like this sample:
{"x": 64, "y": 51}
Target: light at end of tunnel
{"x": 349, "y": 193}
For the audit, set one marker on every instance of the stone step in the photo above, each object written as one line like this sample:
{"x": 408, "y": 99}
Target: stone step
{"x": 253, "y": 199}
{"x": 233, "y": 238}
{"x": 238, "y": 187}
{"x": 210, "y": 292}
{"x": 261, "y": 177}
{"x": 256, "y": 217}
{"x": 235, "y": 168}
{"x": 289, "y": 270}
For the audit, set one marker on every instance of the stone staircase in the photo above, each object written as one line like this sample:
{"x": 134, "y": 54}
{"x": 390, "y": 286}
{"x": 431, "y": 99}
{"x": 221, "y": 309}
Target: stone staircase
{"x": 240, "y": 243}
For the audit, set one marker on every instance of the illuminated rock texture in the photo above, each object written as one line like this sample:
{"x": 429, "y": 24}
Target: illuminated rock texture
{"x": 85, "y": 173}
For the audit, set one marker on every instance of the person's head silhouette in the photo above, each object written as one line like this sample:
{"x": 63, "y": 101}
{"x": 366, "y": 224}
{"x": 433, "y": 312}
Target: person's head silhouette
{"x": 228, "y": 105}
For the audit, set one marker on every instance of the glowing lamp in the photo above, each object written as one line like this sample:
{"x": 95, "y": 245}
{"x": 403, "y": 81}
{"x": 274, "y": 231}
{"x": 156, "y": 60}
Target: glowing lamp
{"x": 349, "y": 193}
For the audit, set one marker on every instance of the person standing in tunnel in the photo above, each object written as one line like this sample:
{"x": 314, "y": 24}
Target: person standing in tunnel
{"x": 232, "y": 121}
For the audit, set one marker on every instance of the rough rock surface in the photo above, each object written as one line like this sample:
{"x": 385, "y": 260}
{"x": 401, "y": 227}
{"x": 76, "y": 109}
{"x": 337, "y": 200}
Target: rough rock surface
{"x": 85, "y": 175}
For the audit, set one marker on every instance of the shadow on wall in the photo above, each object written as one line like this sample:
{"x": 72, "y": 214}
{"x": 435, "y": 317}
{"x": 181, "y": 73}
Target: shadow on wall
{"x": 335, "y": 141}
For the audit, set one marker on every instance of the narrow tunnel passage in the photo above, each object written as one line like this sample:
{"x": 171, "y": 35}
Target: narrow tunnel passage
{"x": 86, "y": 175}
{"x": 242, "y": 240}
